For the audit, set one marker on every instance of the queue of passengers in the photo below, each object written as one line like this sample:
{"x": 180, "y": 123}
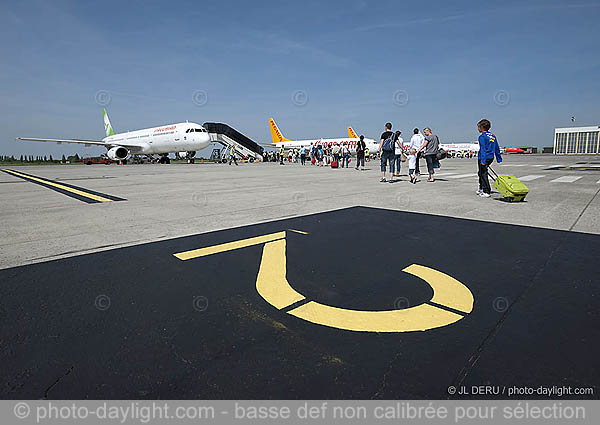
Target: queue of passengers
{"x": 393, "y": 151}
{"x": 320, "y": 155}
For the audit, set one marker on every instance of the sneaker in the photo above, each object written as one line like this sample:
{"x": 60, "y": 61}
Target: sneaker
{"x": 484, "y": 195}
{"x": 390, "y": 181}
{"x": 382, "y": 180}
{"x": 479, "y": 192}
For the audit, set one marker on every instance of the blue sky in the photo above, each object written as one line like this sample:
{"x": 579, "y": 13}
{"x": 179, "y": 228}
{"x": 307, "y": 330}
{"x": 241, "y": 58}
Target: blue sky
{"x": 526, "y": 66}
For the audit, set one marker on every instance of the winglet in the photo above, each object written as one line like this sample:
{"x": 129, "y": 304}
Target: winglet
{"x": 107, "y": 127}
{"x": 276, "y": 135}
{"x": 352, "y": 133}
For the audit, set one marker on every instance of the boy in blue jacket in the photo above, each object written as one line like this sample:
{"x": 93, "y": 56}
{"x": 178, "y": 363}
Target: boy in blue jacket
{"x": 488, "y": 149}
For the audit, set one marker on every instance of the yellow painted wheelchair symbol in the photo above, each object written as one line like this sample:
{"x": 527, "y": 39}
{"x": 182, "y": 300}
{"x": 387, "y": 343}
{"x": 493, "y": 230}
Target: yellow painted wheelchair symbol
{"x": 451, "y": 299}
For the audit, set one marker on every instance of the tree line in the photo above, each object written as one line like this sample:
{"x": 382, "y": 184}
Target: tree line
{"x": 38, "y": 158}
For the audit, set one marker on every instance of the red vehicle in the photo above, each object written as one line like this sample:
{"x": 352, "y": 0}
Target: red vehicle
{"x": 516, "y": 150}
{"x": 96, "y": 160}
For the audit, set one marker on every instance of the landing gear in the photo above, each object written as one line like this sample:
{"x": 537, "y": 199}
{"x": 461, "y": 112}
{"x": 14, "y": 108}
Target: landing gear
{"x": 164, "y": 160}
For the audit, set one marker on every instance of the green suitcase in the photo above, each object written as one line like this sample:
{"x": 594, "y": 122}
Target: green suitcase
{"x": 510, "y": 187}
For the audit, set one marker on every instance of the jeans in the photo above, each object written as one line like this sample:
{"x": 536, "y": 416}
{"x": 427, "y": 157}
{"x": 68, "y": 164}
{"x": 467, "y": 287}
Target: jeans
{"x": 385, "y": 158}
{"x": 303, "y": 159}
{"x": 398, "y": 161}
{"x": 430, "y": 159}
{"x": 484, "y": 183}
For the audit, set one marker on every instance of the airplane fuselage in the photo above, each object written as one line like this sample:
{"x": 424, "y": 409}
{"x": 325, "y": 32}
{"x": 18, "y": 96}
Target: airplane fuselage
{"x": 371, "y": 144}
{"x": 169, "y": 138}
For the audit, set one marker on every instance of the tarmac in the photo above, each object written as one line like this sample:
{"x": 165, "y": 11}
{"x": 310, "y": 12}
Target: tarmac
{"x": 265, "y": 281}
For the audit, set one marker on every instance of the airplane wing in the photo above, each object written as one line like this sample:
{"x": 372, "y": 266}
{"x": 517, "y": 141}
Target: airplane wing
{"x": 79, "y": 141}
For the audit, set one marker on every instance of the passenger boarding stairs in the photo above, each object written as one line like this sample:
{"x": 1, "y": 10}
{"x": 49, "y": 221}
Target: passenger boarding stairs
{"x": 240, "y": 150}
{"x": 227, "y": 136}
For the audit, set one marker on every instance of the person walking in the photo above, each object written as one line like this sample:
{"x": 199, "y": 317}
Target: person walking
{"x": 232, "y": 155}
{"x": 416, "y": 141}
{"x": 281, "y": 154}
{"x": 488, "y": 148}
{"x": 367, "y": 155}
{"x": 398, "y": 150}
{"x": 335, "y": 150}
{"x": 345, "y": 154}
{"x": 431, "y": 146}
{"x": 386, "y": 147}
{"x": 360, "y": 153}
{"x": 303, "y": 156}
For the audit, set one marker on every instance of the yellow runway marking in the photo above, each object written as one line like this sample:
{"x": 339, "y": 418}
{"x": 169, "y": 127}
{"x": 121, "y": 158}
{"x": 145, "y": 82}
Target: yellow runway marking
{"x": 271, "y": 282}
{"x": 273, "y": 286}
{"x": 447, "y": 291}
{"x": 418, "y": 318}
{"x": 60, "y": 186}
{"x": 229, "y": 246}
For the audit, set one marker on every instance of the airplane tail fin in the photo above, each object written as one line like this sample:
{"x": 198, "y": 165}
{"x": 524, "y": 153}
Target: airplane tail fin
{"x": 107, "y": 127}
{"x": 352, "y": 133}
{"x": 276, "y": 135}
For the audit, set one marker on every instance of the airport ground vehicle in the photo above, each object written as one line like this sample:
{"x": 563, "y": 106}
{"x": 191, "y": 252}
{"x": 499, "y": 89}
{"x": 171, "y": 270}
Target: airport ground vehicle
{"x": 96, "y": 160}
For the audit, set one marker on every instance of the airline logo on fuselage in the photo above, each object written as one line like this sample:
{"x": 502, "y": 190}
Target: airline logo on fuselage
{"x": 172, "y": 127}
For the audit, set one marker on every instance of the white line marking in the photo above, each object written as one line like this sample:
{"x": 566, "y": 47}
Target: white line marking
{"x": 531, "y": 177}
{"x": 460, "y": 176}
{"x": 444, "y": 174}
{"x": 566, "y": 179}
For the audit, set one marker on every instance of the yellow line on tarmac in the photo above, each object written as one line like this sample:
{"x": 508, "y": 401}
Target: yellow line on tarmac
{"x": 271, "y": 282}
{"x": 60, "y": 186}
{"x": 447, "y": 291}
{"x": 229, "y": 246}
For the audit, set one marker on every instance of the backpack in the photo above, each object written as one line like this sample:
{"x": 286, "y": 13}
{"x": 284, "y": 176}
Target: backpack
{"x": 441, "y": 154}
{"x": 388, "y": 144}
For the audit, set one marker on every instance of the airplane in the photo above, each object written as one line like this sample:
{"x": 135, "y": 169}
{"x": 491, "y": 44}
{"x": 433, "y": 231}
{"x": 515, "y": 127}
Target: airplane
{"x": 279, "y": 140}
{"x": 460, "y": 147}
{"x": 183, "y": 138}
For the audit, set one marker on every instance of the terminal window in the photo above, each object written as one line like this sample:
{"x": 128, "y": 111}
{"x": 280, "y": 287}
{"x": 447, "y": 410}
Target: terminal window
{"x": 572, "y": 143}
{"x": 581, "y": 139}
{"x": 561, "y": 143}
{"x": 592, "y": 144}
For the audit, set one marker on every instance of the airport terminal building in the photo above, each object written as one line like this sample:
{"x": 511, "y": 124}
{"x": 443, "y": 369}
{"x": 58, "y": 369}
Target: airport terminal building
{"x": 576, "y": 140}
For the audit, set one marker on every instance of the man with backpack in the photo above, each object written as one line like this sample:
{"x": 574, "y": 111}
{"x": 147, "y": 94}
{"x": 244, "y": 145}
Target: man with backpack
{"x": 386, "y": 149}
{"x": 360, "y": 153}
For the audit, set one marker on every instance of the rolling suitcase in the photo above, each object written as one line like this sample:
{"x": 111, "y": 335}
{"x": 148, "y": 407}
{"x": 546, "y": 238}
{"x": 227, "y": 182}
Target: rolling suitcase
{"x": 510, "y": 187}
{"x": 334, "y": 164}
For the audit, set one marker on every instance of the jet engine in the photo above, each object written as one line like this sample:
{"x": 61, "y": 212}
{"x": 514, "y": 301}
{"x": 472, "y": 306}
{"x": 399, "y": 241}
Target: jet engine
{"x": 117, "y": 153}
